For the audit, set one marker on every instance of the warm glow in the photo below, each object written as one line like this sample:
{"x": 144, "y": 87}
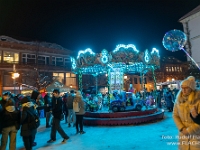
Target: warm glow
{"x": 70, "y": 86}
{"x": 15, "y": 75}
{"x": 167, "y": 80}
{"x": 125, "y": 77}
{"x": 172, "y": 79}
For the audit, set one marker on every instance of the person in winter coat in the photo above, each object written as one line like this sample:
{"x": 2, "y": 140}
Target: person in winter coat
{"x": 27, "y": 133}
{"x": 57, "y": 110}
{"x": 79, "y": 115}
{"x": 169, "y": 100}
{"x": 10, "y": 125}
{"x": 48, "y": 108}
{"x": 5, "y": 98}
{"x": 187, "y": 102}
{"x": 71, "y": 114}
{"x": 35, "y": 98}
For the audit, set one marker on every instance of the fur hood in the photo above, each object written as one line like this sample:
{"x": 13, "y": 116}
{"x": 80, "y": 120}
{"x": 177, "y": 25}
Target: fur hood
{"x": 192, "y": 98}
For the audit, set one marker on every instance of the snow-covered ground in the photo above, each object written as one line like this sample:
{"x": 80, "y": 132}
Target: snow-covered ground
{"x": 156, "y": 136}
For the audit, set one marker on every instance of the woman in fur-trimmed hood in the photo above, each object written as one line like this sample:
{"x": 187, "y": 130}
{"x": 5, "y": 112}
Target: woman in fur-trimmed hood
{"x": 186, "y": 110}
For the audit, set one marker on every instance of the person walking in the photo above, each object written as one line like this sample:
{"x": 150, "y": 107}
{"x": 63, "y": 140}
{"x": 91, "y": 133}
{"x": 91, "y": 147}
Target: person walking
{"x": 27, "y": 133}
{"x": 71, "y": 114}
{"x": 10, "y": 125}
{"x": 187, "y": 107}
{"x": 57, "y": 110}
{"x": 79, "y": 114}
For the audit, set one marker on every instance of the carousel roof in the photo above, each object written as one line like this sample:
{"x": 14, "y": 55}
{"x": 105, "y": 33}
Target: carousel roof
{"x": 126, "y": 57}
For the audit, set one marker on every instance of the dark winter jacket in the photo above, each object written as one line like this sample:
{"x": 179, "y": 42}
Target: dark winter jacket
{"x": 47, "y": 100}
{"x": 2, "y": 109}
{"x": 11, "y": 118}
{"x": 25, "y": 131}
{"x": 57, "y": 107}
{"x": 169, "y": 99}
{"x": 70, "y": 100}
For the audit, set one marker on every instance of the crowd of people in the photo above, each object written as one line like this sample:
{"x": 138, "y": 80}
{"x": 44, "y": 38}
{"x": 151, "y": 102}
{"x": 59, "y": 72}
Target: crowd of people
{"x": 23, "y": 113}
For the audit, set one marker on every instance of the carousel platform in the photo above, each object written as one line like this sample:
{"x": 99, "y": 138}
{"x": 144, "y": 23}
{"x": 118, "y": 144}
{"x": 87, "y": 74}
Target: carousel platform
{"x": 123, "y": 118}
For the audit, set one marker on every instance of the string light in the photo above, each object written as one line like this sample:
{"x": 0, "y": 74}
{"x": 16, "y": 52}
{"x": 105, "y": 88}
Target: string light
{"x": 88, "y": 50}
{"x": 126, "y": 47}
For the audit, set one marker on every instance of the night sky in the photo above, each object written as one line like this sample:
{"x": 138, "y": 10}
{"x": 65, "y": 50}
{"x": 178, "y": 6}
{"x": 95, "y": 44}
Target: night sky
{"x": 96, "y": 24}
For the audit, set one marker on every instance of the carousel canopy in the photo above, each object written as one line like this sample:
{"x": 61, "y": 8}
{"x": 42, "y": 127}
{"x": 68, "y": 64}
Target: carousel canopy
{"x": 126, "y": 57}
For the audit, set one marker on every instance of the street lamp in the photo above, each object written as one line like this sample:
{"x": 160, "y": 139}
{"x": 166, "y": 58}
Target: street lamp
{"x": 14, "y": 76}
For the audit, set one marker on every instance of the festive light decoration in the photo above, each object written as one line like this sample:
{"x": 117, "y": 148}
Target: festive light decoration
{"x": 73, "y": 63}
{"x": 154, "y": 50}
{"x": 146, "y": 56}
{"x": 125, "y": 47}
{"x": 88, "y": 50}
{"x": 104, "y": 56}
{"x": 174, "y": 40}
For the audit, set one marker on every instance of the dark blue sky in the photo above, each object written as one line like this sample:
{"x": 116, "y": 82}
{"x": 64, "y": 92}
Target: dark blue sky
{"x": 97, "y": 24}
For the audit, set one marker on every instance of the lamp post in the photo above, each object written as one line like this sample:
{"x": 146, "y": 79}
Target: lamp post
{"x": 14, "y": 76}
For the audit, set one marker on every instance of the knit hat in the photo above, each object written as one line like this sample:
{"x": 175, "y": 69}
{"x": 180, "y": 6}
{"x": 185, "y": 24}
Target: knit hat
{"x": 189, "y": 82}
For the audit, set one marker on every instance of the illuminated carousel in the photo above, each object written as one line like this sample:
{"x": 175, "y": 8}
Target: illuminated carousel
{"x": 124, "y": 59}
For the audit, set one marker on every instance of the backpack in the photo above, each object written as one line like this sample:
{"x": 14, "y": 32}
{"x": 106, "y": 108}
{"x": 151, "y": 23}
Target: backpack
{"x": 33, "y": 121}
{"x": 76, "y": 107}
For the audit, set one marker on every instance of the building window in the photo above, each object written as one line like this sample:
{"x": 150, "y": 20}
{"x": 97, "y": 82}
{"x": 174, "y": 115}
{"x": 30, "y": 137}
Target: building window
{"x": 28, "y": 58}
{"x": 71, "y": 80}
{"x": 167, "y": 69}
{"x": 180, "y": 69}
{"x": 60, "y": 76}
{"x": 43, "y": 60}
{"x": 67, "y": 61}
{"x": 135, "y": 81}
{"x": 172, "y": 69}
{"x": 10, "y": 57}
{"x": 57, "y": 61}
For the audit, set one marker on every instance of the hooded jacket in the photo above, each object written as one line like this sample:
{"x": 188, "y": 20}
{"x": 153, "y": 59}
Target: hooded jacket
{"x": 182, "y": 119}
{"x": 27, "y": 107}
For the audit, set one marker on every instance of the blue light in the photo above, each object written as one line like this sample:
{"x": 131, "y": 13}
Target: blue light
{"x": 73, "y": 63}
{"x": 104, "y": 56}
{"x": 85, "y": 51}
{"x": 126, "y": 47}
{"x": 154, "y": 50}
{"x": 146, "y": 57}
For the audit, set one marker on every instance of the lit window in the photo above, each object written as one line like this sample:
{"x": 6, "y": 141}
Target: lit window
{"x": 11, "y": 57}
{"x": 167, "y": 69}
{"x": 67, "y": 75}
{"x": 73, "y": 75}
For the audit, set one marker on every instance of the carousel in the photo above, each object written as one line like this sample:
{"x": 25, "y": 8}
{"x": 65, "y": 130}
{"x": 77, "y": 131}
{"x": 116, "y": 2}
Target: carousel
{"x": 124, "y": 59}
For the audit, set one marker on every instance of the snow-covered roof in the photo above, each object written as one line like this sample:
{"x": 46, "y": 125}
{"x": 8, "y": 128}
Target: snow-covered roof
{"x": 42, "y": 44}
{"x": 194, "y": 11}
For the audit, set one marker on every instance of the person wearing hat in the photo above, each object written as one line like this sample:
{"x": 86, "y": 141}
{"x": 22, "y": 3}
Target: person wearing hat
{"x": 57, "y": 111}
{"x": 186, "y": 109}
{"x": 10, "y": 125}
{"x": 28, "y": 134}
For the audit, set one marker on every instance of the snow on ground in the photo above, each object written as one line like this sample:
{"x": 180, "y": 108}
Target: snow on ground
{"x": 156, "y": 135}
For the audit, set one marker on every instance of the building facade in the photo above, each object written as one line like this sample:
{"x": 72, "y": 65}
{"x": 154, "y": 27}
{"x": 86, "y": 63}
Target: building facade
{"x": 191, "y": 26}
{"x": 37, "y": 63}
